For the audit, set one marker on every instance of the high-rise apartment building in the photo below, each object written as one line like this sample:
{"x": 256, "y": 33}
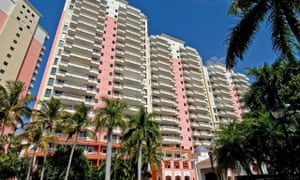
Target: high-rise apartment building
{"x": 179, "y": 98}
{"x": 21, "y": 40}
{"x": 99, "y": 51}
{"x": 226, "y": 89}
{"x": 102, "y": 49}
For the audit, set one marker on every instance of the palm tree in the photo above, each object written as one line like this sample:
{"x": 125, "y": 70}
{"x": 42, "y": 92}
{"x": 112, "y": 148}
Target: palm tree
{"x": 283, "y": 16}
{"x": 144, "y": 132}
{"x": 109, "y": 116}
{"x": 78, "y": 123}
{"x": 12, "y": 106}
{"x": 51, "y": 113}
{"x": 230, "y": 148}
{"x": 35, "y": 134}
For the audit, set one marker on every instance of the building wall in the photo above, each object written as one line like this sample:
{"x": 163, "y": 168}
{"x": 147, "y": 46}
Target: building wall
{"x": 98, "y": 51}
{"x": 18, "y": 24}
{"x": 31, "y": 60}
{"x": 102, "y": 49}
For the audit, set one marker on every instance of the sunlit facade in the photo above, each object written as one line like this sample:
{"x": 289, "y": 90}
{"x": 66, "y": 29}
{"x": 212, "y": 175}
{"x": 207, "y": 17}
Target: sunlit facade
{"x": 102, "y": 49}
{"x": 99, "y": 51}
{"x": 226, "y": 89}
{"x": 179, "y": 98}
{"x": 22, "y": 42}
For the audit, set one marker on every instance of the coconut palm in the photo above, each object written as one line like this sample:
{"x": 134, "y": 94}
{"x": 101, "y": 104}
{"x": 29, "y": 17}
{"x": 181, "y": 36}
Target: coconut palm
{"x": 144, "y": 132}
{"x": 36, "y": 136}
{"x": 51, "y": 113}
{"x": 12, "y": 106}
{"x": 109, "y": 116}
{"x": 283, "y": 17}
{"x": 76, "y": 124}
{"x": 230, "y": 148}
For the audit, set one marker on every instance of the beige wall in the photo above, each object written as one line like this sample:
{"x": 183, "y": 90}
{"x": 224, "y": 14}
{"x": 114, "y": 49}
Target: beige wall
{"x": 22, "y": 20}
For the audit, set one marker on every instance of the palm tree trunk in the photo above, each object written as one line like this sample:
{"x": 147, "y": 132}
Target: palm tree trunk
{"x": 44, "y": 166}
{"x": 30, "y": 165}
{"x": 3, "y": 129}
{"x": 140, "y": 163}
{"x": 71, "y": 156}
{"x": 108, "y": 155}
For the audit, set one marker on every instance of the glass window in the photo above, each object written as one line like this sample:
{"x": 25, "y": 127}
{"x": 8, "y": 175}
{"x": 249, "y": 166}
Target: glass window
{"x": 50, "y": 81}
{"x": 48, "y": 93}
{"x": 53, "y": 71}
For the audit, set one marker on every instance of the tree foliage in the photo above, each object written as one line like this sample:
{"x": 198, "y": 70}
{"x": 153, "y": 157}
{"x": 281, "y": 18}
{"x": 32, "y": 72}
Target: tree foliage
{"x": 282, "y": 16}
{"x": 269, "y": 135}
{"x": 56, "y": 164}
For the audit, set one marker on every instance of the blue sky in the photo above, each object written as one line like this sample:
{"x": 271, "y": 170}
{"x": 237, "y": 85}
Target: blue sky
{"x": 202, "y": 24}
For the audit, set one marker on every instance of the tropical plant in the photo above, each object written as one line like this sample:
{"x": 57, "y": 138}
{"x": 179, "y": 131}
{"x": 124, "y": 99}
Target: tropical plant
{"x": 230, "y": 149}
{"x": 263, "y": 138}
{"x": 36, "y": 138}
{"x": 9, "y": 165}
{"x": 143, "y": 134}
{"x": 56, "y": 164}
{"x": 110, "y": 116}
{"x": 275, "y": 90}
{"x": 50, "y": 113}
{"x": 12, "y": 106}
{"x": 283, "y": 17}
{"x": 121, "y": 169}
{"x": 77, "y": 124}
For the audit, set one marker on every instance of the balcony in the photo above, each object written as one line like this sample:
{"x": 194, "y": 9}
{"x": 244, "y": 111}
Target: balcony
{"x": 168, "y": 120}
{"x": 170, "y": 129}
{"x": 171, "y": 140}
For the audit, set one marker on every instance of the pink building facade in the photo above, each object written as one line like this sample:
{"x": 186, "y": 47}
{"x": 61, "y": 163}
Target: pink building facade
{"x": 22, "y": 44}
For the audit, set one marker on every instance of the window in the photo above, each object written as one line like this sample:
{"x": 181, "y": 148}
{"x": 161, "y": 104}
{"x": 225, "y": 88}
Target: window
{"x": 65, "y": 27}
{"x": 20, "y": 28}
{"x": 109, "y": 83}
{"x": 28, "y": 27}
{"x": 18, "y": 18}
{"x": 5, "y": 63}
{"x": 18, "y": 35}
{"x": 61, "y": 43}
{"x": 59, "y": 52}
{"x": 8, "y": 55}
{"x": 48, "y": 93}
{"x": 50, "y": 81}
{"x": 2, "y": 71}
{"x": 109, "y": 92}
{"x": 53, "y": 71}
{"x": 55, "y": 61}
{"x": 15, "y": 41}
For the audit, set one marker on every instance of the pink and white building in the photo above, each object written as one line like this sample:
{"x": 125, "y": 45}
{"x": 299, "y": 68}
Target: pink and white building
{"x": 21, "y": 40}
{"x": 180, "y": 100}
{"x": 102, "y": 48}
{"x": 226, "y": 90}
